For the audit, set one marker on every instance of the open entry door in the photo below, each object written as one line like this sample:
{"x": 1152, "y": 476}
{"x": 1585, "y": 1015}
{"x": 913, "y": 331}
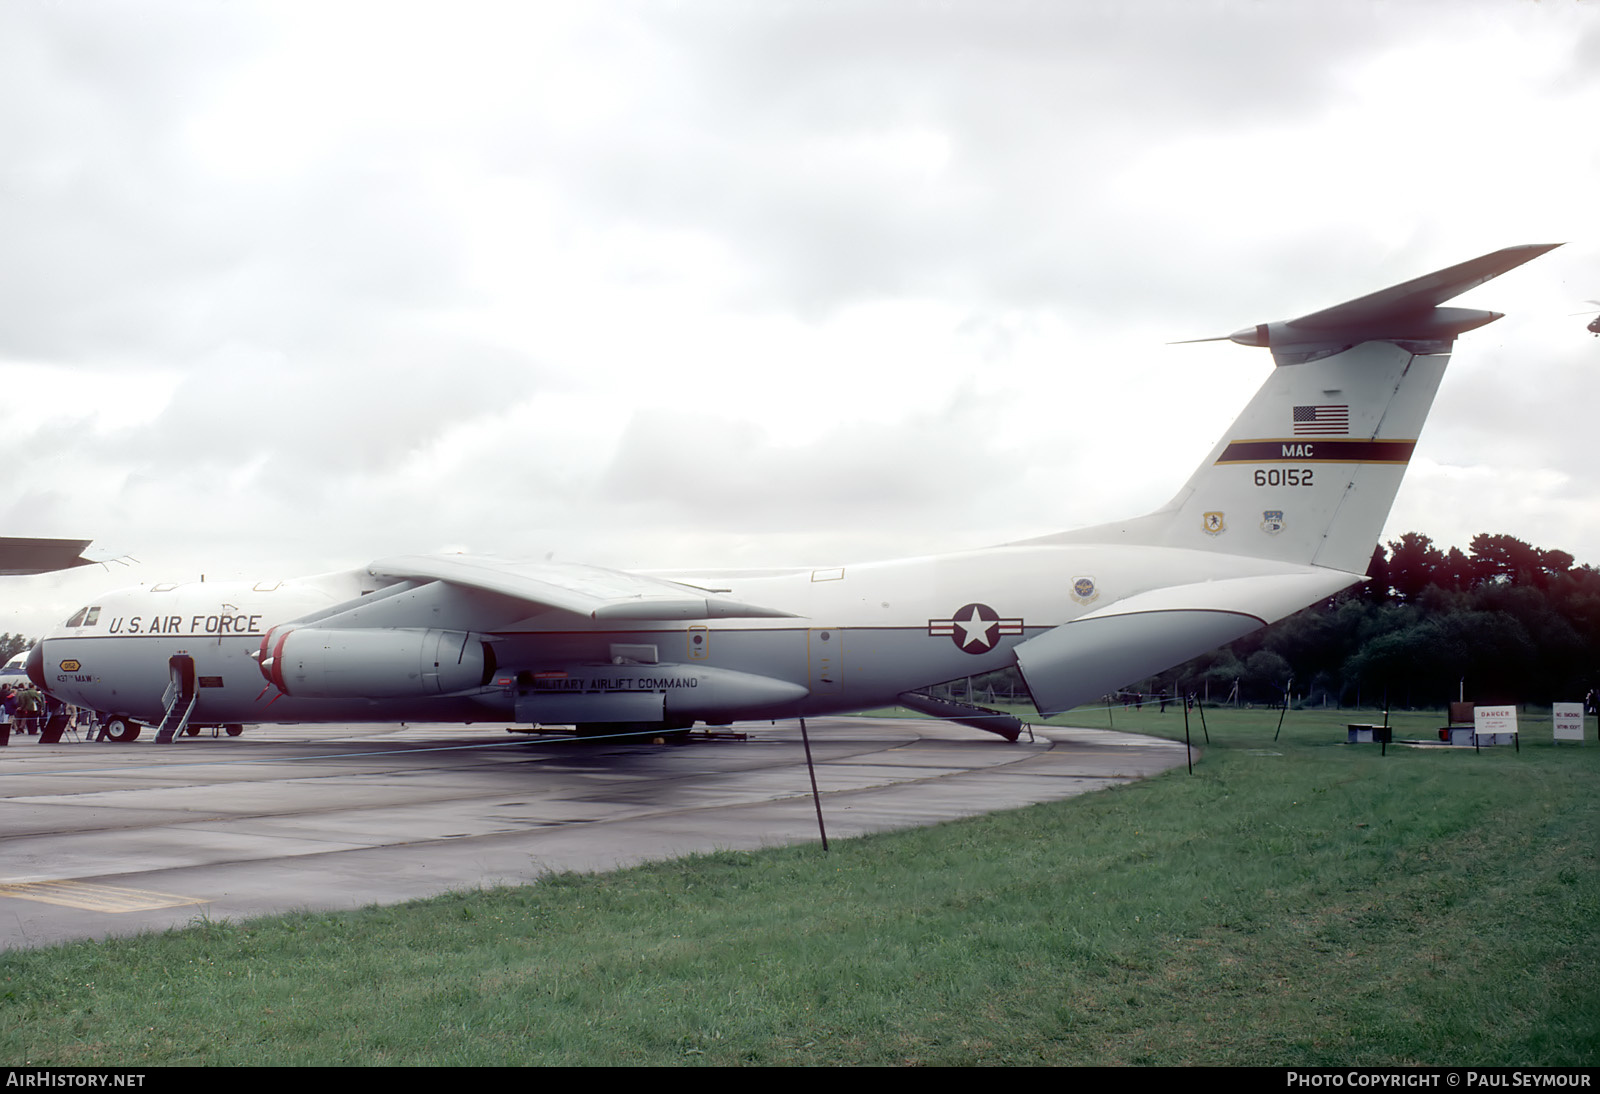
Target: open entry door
{"x": 182, "y": 699}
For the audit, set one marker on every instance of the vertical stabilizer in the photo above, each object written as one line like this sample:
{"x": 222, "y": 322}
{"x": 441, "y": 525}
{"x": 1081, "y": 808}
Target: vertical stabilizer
{"x": 1309, "y": 470}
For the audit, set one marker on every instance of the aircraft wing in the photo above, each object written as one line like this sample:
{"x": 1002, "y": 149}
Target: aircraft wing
{"x": 592, "y": 591}
{"x": 41, "y": 556}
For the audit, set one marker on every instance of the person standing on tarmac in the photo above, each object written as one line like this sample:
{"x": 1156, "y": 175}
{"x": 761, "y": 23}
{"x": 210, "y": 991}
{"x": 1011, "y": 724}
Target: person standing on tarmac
{"x": 28, "y": 707}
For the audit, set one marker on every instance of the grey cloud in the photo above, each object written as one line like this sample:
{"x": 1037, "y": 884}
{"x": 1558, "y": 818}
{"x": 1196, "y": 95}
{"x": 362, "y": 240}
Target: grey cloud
{"x": 1036, "y": 104}
{"x": 728, "y": 474}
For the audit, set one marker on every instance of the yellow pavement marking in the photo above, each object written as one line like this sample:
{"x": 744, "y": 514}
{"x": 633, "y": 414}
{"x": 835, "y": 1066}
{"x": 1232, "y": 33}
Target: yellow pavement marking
{"x": 94, "y": 898}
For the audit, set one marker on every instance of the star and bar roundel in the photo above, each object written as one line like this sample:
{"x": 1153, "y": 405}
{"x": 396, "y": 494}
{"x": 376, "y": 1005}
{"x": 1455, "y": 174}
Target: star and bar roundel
{"x": 974, "y": 628}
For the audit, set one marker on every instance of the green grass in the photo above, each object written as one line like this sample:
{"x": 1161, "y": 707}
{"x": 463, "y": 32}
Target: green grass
{"x": 1303, "y": 902}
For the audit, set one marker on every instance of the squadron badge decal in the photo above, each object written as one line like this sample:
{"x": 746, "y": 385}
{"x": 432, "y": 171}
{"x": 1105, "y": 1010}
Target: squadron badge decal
{"x": 1084, "y": 591}
{"x": 974, "y": 628}
{"x": 1213, "y": 524}
{"x": 1272, "y": 521}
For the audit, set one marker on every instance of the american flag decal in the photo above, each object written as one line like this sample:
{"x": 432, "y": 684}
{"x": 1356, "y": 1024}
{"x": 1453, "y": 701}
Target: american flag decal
{"x": 1324, "y": 421}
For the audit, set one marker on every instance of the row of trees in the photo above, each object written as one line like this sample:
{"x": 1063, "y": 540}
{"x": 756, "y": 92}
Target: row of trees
{"x": 13, "y": 644}
{"x": 1502, "y": 621}
{"x": 1413, "y": 565}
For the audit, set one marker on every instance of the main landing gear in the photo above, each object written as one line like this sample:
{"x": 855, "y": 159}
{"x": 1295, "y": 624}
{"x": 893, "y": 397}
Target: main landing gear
{"x": 122, "y": 729}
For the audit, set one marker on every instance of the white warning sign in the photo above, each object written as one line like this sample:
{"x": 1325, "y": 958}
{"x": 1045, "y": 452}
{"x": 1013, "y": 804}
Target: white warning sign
{"x": 1487, "y": 720}
{"x": 1568, "y": 719}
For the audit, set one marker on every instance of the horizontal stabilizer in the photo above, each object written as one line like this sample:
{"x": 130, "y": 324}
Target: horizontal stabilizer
{"x": 1424, "y": 293}
{"x": 1408, "y": 313}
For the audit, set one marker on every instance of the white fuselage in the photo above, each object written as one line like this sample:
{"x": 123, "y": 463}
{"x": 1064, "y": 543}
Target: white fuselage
{"x": 858, "y": 636}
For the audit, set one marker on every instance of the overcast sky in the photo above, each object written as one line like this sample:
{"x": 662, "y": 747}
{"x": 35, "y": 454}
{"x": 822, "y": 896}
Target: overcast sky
{"x": 286, "y": 287}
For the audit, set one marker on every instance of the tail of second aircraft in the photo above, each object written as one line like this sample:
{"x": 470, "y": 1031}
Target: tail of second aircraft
{"x": 1309, "y": 470}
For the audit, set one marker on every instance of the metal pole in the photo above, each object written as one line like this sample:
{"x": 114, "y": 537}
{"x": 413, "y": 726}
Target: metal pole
{"x": 815, "y": 797}
{"x": 1285, "y": 708}
{"x": 1188, "y": 750}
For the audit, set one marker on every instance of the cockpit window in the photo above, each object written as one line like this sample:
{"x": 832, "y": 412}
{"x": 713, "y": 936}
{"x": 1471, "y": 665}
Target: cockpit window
{"x": 93, "y": 617}
{"x": 77, "y": 617}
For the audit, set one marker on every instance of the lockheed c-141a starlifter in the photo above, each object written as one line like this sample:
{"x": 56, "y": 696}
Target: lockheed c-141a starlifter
{"x": 1282, "y": 513}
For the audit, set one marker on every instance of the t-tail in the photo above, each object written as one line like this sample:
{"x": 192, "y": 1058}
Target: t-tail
{"x": 1308, "y": 472}
{"x": 1297, "y": 490}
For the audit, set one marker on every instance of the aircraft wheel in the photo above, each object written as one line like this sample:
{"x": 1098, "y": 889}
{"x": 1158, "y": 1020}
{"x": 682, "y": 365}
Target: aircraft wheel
{"x": 234, "y": 729}
{"x": 122, "y": 730}
{"x": 191, "y": 730}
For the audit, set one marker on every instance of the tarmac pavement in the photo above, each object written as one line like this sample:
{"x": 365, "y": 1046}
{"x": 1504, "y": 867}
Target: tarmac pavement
{"x": 106, "y": 839}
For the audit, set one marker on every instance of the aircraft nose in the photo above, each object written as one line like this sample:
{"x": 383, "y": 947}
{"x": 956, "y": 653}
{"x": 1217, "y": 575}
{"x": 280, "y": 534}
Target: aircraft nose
{"x": 35, "y": 666}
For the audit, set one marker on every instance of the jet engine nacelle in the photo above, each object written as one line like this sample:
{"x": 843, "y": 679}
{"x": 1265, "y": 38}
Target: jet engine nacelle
{"x": 370, "y": 663}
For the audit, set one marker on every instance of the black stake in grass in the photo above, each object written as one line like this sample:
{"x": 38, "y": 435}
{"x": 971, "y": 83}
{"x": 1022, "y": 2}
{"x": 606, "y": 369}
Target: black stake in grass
{"x": 812, "y": 771}
{"x": 1284, "y": 709}
{"x": 1188, "y": 750}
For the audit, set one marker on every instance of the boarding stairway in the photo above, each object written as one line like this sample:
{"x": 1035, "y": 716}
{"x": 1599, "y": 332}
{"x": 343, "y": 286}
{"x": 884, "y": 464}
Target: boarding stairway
{"x": 179, "y": 699}
{"x": 177, "y": 719}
